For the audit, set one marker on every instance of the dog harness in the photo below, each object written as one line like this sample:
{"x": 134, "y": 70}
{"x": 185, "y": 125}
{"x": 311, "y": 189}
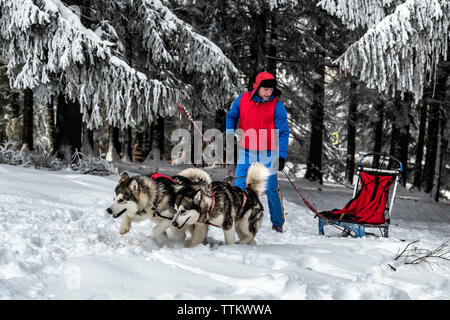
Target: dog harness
{"x": 153, "y": 207}
{"x": 244, "y": 198}
{"x": 211, "y": 208}
{"x": 158, "y": 175}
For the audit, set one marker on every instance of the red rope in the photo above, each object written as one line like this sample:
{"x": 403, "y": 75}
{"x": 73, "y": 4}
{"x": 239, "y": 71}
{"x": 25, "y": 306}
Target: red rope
{"x": 309, "y": 205}
{"x": 190, "y": 118}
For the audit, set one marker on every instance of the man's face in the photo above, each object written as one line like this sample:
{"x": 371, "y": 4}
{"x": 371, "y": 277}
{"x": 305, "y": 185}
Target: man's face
{"x": 265, "y": 93}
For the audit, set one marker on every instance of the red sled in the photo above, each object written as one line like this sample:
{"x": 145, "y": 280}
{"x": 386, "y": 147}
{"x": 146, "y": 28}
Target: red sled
{"x": 370, "y": 205}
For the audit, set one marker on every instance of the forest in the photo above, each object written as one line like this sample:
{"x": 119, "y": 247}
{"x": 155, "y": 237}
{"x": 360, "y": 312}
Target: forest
{"x": 113, "y": 79}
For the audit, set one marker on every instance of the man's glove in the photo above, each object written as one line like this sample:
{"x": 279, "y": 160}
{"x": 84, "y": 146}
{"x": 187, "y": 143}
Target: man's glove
{"x": 280, "y": 163}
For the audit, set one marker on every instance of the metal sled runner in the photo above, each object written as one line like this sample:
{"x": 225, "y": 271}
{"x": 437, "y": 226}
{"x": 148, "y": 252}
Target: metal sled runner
{"x": 370, "y": 205}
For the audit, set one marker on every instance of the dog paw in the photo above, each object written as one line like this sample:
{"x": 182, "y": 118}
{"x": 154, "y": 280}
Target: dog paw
{"x": 124, "y": 229}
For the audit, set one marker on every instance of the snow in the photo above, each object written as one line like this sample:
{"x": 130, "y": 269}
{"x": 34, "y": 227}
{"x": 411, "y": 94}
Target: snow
{"x": 57, "y": 242}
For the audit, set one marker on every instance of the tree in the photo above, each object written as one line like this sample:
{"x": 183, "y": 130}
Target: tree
{"x": 403, "y": 51}
{"x": 252, "y": 34}
{"x": 404, "y": 41}
{"x": 49, "y": 50}
{"x": 314, "y": 164}
{"x": 437, "y": 134}
{"x": 400, "y": 119}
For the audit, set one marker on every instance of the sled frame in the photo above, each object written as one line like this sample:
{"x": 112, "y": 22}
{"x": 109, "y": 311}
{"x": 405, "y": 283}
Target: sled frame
{"x": 358, "y": 230}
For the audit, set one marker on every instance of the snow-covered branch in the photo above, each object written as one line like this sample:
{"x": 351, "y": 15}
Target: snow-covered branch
{"x": 172, "y": 42}
{"x": 50, "y": 51}
{"x": 359, "y": 13}
{"x": 400, "y": 51}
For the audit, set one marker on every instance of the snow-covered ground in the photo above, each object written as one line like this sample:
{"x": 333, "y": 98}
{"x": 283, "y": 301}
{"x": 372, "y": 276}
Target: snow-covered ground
{"x": 57, "y": 242}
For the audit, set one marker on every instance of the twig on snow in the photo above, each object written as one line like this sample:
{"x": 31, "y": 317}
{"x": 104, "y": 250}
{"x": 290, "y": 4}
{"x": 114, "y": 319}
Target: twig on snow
{"x": 417, "y": 255}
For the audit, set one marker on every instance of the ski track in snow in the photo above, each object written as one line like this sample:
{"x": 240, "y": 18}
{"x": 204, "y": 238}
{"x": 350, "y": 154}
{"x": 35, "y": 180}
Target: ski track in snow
{"x": 57, "y": 242}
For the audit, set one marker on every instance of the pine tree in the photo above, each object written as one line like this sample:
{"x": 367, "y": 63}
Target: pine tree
{"x": 280, "y": 37}
{"x": 437, "y": 133}
{"x": 402, "y": 52}
{"x": 50, "y": 51}
{"x": 404, "y": 42}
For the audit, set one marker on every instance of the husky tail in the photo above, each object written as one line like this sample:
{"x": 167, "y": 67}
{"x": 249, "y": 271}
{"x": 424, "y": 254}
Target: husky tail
{"x": 196, "y": 175}
{"x": 257, "y": 178}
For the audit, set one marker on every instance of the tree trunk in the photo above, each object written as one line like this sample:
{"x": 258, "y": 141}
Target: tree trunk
{"x": 431, "y": 147}
{"x": 314, "y": 164}
{"x": 443, "y": 132}
{"x": 116, "y": 140}
{"x": 272, "y": 62}
{"x": 420, "y": 144}
{"x": 404, "y": 141}
{"x": 14, "y": 111}
{"x": 161, "y": 137}
{"x": 13, "y": 130}
{"x": 444, "y": 135}
{"x": 87, "y": 145}
{"x": 195, "y": 147}
{"x": 378, "y": 143}
{"x": 400, "y": 134}
{"x": 138, "y": 146}
{"x": 258, "y": 47}
{"x": 127, "y": 147}
{"x": 68, "y": 128}
{"x": 146, "y": 141}
{"x": 404, "y": 150}
{"x": 51, "y": 126}
{"x": 27, "y": 130}
{"x": 88, "y": 134}
{"x": 156, "y": 141}
{"x": 112, "y": 154}
{"x": 438, "y": 99}
{"x": 351, "y": 133}
{"x": 219, "y": 124}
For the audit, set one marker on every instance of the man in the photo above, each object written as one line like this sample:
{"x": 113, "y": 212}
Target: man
{"x": 260, "y": 116}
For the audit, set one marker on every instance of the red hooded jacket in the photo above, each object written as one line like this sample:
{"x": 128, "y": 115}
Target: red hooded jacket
{"x": 257, "y": 118}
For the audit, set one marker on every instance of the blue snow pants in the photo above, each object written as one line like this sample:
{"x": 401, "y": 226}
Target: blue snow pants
{"x": 274, "y": 197}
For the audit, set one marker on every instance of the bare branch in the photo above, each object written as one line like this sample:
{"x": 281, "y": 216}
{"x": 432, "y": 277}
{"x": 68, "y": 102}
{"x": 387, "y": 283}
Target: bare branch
{"x": 418, "y": 255}
{"x": 404, "y": 250}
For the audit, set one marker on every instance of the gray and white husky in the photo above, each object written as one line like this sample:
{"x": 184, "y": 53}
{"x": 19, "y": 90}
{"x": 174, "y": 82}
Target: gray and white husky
{"x": 142, "y": 197}
{"x": 225, "y": 206}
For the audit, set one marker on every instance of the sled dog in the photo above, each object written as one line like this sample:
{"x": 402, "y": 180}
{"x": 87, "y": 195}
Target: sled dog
{"x": 225, "y": 206}
{"x": 153, "y": 197}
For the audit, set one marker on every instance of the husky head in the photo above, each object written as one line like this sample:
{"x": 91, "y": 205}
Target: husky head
{"x": 187, "y": 206}
{"x": 126, "y": 197}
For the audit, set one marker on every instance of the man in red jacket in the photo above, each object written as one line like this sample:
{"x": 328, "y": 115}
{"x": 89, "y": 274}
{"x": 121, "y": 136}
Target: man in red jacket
{"x": 261, "y": 116}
